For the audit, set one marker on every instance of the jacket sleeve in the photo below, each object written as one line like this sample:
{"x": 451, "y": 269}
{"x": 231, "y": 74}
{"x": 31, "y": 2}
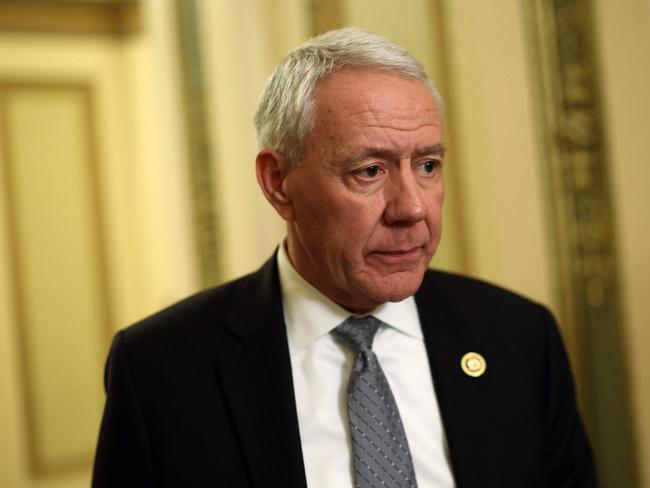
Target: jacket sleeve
{"x": 123, "y": 457}
{"x": 568, "y": 456}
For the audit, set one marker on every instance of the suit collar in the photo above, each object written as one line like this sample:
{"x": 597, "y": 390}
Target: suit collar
{"x": 254, "y": 372}
{"x": 464, "y": 401}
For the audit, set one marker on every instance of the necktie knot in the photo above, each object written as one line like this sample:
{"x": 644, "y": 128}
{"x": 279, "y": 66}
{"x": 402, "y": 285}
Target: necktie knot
{"x": 357, "y": 333}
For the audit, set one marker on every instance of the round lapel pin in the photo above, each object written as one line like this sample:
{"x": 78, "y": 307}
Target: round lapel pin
{"x": 473, "y": 364}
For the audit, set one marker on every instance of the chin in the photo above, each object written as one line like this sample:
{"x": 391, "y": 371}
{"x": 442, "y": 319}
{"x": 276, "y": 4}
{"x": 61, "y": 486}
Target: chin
{"x": 398, "y": 288}
{"x": 399, "y": 295}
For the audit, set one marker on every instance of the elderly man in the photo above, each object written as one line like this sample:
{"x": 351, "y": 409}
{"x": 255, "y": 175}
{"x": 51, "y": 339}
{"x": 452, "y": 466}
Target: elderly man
{"x": 344, "y": 361}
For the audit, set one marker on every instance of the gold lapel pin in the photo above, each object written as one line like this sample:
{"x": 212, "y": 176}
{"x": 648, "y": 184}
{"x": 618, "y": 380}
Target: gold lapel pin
{"x": 473, "y": 364}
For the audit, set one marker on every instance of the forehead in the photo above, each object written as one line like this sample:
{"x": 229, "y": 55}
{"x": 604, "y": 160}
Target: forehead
{"x": 355, "y": 89}
{"x": 357, "y": 104}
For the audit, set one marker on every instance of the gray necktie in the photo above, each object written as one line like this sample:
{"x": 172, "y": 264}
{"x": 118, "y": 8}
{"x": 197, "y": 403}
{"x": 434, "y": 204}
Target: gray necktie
{"x": 381, "y": 453}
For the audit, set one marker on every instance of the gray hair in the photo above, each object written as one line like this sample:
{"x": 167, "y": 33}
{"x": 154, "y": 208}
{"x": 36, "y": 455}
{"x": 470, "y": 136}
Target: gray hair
{"x": 286, "y": 108}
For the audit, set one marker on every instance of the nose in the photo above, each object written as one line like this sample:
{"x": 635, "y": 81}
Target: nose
{"x": 405, "y": 201}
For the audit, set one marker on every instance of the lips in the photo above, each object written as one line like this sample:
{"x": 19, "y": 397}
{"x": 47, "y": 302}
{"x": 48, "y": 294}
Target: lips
{"x": 403, "y": 257}
{"x": 398, "y": 252}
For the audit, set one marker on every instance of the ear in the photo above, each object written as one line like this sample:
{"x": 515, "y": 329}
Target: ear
{"x": 272, "y": 169}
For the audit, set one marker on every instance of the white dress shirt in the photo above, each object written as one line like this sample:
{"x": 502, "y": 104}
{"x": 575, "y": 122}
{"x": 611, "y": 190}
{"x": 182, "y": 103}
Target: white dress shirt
{"x": 321, "y": 368}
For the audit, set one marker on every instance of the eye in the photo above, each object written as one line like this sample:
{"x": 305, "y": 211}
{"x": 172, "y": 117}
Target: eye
{"x": 370, "y": 172}
{"x": 431, "y": 165}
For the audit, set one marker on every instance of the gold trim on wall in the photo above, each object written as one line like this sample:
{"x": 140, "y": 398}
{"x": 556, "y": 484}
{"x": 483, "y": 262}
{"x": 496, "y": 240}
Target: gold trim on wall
{"x": 573, "y": 144}
{"x": 198, "y": 142}
{"x": 70, "y": 17}
{"x": 28, "y": 360}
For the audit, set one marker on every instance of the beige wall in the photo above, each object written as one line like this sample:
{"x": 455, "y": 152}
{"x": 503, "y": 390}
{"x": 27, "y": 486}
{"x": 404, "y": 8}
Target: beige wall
{"x": 239, "y": 56}
{"x": 496, "y": 224}
{"x": 623, "y": 38}
{"x": 73, "y": 104}
{"x": 54, "y": 321}
{"x": 500, "y": 169}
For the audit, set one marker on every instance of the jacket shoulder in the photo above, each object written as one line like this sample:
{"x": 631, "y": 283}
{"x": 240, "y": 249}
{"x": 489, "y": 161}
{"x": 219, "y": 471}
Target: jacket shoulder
{"x": 189, "y": 312}
{"x": 474, "y": 293}
{"x": 488, "y": 311}
{"x": 196, "y": 321}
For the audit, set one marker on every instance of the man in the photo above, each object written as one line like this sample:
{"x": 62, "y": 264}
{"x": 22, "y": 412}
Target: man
{"x": 343, "y": 361}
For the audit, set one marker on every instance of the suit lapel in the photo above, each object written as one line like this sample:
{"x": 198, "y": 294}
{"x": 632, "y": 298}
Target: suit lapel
{"x": 254, "y": 369}
{"x": 464, "y": 401}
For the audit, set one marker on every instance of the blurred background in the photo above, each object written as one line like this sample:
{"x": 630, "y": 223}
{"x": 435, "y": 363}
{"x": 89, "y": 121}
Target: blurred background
{"x": 127, "y": 182}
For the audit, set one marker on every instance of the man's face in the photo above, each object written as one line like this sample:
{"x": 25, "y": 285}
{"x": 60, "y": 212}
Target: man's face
{"x": 367, "y": 198}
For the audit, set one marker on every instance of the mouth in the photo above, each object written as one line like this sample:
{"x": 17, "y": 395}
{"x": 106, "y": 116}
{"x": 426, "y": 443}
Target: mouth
{"x": 397, "y": 256}
{"x": 399, "y": 252}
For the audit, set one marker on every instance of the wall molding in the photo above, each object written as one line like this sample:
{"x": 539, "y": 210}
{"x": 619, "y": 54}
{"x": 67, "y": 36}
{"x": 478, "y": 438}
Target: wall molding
{"x": 198, "y": 142}
{"x": 114, "y": 17}
{"x": 40, "y": 464}
{"x": 581, "y": 219}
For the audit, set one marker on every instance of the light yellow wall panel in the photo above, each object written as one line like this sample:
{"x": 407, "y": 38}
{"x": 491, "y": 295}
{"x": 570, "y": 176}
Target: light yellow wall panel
{"x": 624, "y": 37}
{"x": 58, "y": 270}
{"x": 159, "y": 193}
{"x": 59, "y": 59}
{"x": 501, "y": 174}
{"x": 148, "y": 228}
{"x": 143, "y": 170}
{"x": 289, "y": 24}
{"x": 241, "y": 49}
{"x": 411, "y": 24}
{"x": 11, "y": 440}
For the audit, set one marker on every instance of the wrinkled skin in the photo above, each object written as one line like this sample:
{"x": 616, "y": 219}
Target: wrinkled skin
{"x": 364, "y": 206}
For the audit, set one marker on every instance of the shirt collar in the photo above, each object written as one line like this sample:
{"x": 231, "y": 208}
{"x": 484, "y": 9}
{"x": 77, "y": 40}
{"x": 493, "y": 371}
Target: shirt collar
{"x": 309, "y": 315}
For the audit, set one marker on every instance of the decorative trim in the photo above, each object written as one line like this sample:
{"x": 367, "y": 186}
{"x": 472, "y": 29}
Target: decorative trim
{"x": 39, "y": 466}
{"x": 573, "y": 145}
{"x": 115, "y": 17}
{"x": 198, "y": 142}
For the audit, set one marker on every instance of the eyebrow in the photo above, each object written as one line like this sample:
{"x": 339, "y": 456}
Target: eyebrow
{"x": 434, "y": 150}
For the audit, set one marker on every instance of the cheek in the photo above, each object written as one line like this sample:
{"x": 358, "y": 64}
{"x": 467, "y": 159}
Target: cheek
{"x": 327, "y": 220}
{"x": 434, "y": 213}
{"x": 335, "y": 219}
{"x": 437, "y": 198}
{"x": 351, "y": 226}
{"x": 440, "y": 192}
{"x": 364, "y": 217}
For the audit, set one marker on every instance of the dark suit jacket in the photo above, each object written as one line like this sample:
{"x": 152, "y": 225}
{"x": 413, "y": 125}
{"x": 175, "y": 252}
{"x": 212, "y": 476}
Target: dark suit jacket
{"x": 201, "y": 394}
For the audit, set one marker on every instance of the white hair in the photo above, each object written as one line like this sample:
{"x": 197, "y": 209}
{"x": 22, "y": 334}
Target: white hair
{"x": 286, "y": 108}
